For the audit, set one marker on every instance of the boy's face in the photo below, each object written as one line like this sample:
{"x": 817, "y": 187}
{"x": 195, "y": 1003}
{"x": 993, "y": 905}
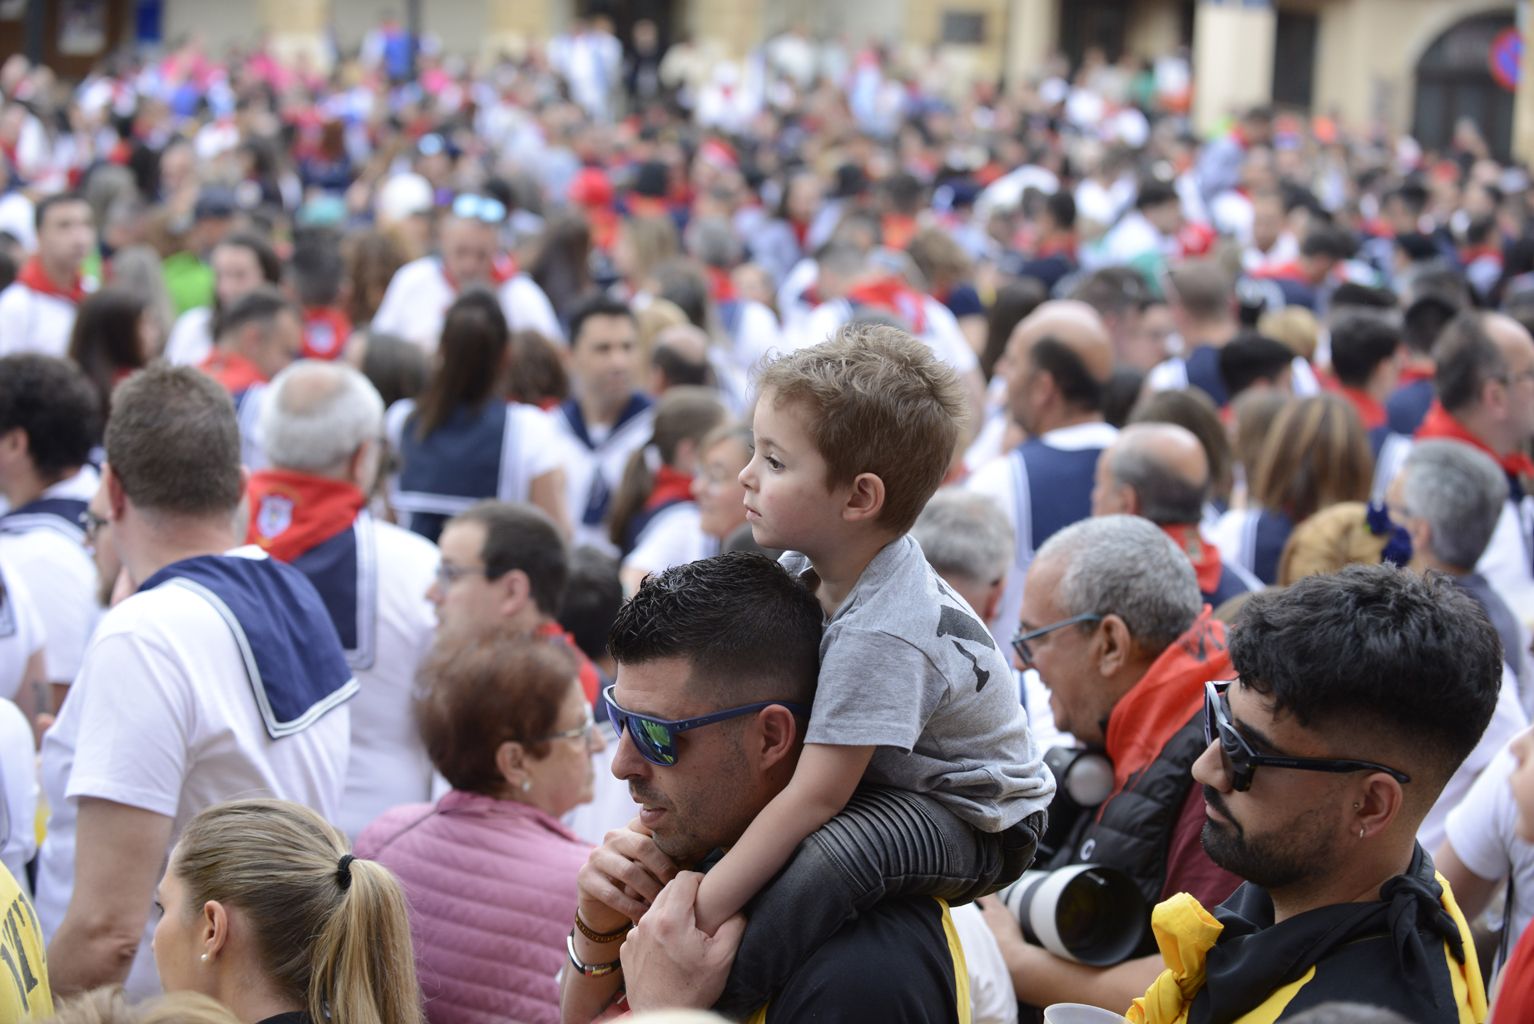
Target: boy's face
{"x": 787, "y": 502}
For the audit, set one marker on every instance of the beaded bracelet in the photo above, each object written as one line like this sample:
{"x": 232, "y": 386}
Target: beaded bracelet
{"x": 596, "y": 936}
{"x": 589, "y": 970}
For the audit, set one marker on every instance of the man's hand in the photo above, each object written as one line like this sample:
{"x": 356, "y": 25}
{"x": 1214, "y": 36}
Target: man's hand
{"x": 668, "y": 962}
{"x": 621, "y": 878}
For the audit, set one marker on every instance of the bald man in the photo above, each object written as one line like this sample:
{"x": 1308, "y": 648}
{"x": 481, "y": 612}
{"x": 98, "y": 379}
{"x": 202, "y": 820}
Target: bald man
{"x": 1056, "y": 364}
{"x": 1159, "y": 471}
{"x": 1485, "y": 386}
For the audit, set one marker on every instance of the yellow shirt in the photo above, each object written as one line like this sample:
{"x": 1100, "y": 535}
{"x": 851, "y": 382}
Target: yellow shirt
{"x": 24, "y": 992}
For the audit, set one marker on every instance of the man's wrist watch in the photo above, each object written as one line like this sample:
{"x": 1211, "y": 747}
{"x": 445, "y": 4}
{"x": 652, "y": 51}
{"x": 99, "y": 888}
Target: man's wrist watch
{"x": 589, "y": 970}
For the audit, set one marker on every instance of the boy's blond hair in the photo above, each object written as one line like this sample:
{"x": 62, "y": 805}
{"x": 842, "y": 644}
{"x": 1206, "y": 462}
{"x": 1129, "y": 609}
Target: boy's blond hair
{"x": 878, "y": 402}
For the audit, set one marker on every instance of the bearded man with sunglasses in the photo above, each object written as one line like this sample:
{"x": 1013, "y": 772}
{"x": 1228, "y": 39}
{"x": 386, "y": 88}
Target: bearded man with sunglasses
{"x": 717, "y": 663}
{"x": 1358, "y": 695}
{"x": 1113, "y": 621}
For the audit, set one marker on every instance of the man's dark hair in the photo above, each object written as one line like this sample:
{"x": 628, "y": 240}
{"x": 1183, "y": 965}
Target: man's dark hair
{"x": 1379, "y": 651}
{"x": 1425, "y": 319}
{"x": 1352, "y": 295}
{"x": 1466, "y": 358}
{"x": 1112, "y": 291}
{"x": 1249, "y": 358}
{"x": 597, "y": 305}
{"x": 1077, "y": 386}
{"x": 173, "y": 443}
{"x": 1412, "y": 194}
{"x": 680, "y": 370}
{"x": 317, "y": 268}
{"x": 1154, "y": 192}
{"x": 748, "y": 628}
{"x": 1166, "y": 499}
{"x": 260, "y": 306}
{"x": 266, "y": 256}
{"x": 40, "y": 213}
{"x": 54, "y": 402}
{"x": 1327, "y": 240}
{"x": 592, "y": 599}
{"x": 1120, "y": 394}
{"x": 1360, "y": 342}
{"x": 1061, "y": 206}
{"x": 523, "y": 537}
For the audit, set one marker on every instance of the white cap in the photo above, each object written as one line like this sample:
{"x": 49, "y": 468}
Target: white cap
{"x": 404, "y": 195}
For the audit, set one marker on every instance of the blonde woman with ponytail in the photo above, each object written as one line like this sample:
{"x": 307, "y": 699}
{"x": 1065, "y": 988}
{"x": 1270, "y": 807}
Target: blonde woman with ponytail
{"x": 264, "y": 909}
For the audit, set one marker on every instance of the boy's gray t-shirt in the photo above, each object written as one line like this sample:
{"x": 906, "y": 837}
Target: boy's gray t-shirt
{"x": 908, "y": 667}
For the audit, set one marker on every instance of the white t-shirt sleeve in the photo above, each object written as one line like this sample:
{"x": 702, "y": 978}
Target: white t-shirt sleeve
{"x": 61, "y": 580}
{"x": 135, "y": 721}
{"x": 191, "y": 337}
{"x": 994, "y": 480}
{"x": 18, "y": 771}
{"x": 991, "y": 997}
{"x": 674, "y": 537}
{"x": 1482, "y": 828}
{"x": 13, "y": 321}
{"x": 527, "y": 308}
{"x": 390, "y": 318}
{"x": 542, "y": 449}
{"x": 22, "y": 633}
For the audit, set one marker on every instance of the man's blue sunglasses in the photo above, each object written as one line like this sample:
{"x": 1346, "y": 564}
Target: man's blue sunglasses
{"x": 655, "y": 738}
{"x": 484, "y": 209}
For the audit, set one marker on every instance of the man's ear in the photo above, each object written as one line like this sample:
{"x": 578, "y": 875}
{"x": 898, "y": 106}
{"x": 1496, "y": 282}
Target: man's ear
{"x": 117, "y": 498}
{"x": 865, "y": 500}
{"x": 775, "y": 735}
{"x": 515, "y": 591}
{"x": 1115, "y": 645}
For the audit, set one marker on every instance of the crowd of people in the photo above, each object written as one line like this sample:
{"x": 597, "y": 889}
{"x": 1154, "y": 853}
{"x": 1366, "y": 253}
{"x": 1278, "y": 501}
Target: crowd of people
{"x": 618, "y": 530}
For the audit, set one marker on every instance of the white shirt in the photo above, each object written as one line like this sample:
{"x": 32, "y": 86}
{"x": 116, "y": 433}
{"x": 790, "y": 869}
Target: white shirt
{"x": 673, "y": 537}
{"x": 940, "y": 331}
{"x": 998, "y": 479}
{"x": 18, "y": 787}
{"x": 191, "y": 337}
{"x": 33, "y": 322}
{"x": 162, "y": 718}
{"x": 1483, "y": 830}
{"x": 582, "y": 464}
{"x": 1507, "y": 720}
{"x": 418, "y": 296}
{"x": 991, "y": 996}
{"x": 22, "y": 633}
{"x": 388, "y": 764}
{"x": 60, "y": 576}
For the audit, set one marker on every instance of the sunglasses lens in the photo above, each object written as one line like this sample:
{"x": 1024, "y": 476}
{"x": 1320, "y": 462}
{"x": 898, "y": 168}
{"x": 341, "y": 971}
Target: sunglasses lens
{"x": 654, "y": 741}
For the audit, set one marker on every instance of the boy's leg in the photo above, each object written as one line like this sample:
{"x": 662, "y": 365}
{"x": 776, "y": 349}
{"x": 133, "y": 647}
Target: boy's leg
{"x": 885, "y": 843}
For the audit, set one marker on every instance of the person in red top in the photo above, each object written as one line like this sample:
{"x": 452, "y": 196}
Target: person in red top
{"x": 316, "y": 276}
{"x": 258, "y": 335}
{"x": 1367, "y": 355}
{"x": 1113, "y": 622}
{"x": 504, "y": 569}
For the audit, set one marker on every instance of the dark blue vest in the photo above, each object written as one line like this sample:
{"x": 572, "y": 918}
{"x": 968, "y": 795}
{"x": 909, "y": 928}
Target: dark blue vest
{"x": 1230, "y": 585}
{"x": 344, "y": 571}
{"x": 1203, "y": 365}
{"x": 449, "y": 469}
{"x": 1407, "y": 406}
{"x": 293, "y": 660}
{"x": 59, "y": 514}
{"x": 1054, "y": 491}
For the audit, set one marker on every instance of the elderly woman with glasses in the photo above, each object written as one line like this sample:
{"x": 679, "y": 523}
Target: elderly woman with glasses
{"x": 489, "y": 870}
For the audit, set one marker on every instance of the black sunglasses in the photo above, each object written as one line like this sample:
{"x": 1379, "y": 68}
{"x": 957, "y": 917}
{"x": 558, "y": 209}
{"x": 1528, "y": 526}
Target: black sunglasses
{"x": 1241, "y": 761}
{"x": 1021, "y": 642}
{"x": 655, "y": 738}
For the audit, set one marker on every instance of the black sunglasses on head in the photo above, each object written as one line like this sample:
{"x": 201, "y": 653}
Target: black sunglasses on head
{"x": 1241, "y": 761}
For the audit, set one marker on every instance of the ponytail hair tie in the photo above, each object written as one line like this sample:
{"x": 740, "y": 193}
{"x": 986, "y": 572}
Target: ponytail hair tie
{"x": 344, "y": 872}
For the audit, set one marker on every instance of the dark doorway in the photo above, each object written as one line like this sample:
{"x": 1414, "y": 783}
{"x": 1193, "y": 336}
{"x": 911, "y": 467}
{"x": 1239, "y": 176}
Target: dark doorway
{"x": 1294, "y": 58}
{"x": 624, "y": 13}
{"x": 1088, "y": 23}
{"x": 1454, "y": 81}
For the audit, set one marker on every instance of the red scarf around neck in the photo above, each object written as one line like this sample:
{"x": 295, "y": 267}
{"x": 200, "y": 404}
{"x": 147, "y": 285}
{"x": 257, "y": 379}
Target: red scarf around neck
{"x": 1204, "y": 555}
{"x": 290, "y": 513}
{"x": 236, "y": 373}
{"x": 36, "y": 278}
{"x": 671, "y": 485}
{"x": 1169, "y": 694}
{"x": 1439, "y": 424}
{"x": 1371, "y": 412}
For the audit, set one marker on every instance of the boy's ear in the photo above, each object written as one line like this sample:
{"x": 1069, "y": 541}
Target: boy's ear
{"x": 865, "y": 499}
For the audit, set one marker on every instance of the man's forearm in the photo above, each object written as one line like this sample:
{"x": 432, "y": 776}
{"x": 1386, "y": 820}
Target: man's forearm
{"x": 583, "y": 998}
{"x": 1041, "y": 978}
{"x": 88, "y": 954}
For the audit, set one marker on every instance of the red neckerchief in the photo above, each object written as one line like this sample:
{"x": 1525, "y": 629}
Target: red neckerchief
{"x": 1204, "y": 555}
{"x": 291, "y": 513}
{"x": 1480, "y": 252}
{"x": 326, "y": 329}
{"x": 899, "y": 229}
{"x": 891, "y": 293}
{"x": 36, "y": 278}
{"x": 1169, "y": 694}
{"x": 1290, "y": 271}
{"x": 670, "y": 485}
{"x": 232, "y": 370}
{"x": 591, "y": 680}
{"x": 1412, "y": 374}
{"x": 720, "y": 285}
{"x": 1440, "y": 424}
{"x": 648, "y": 206}
{"x": 801, "y": 232}
{"x": 1371, "y": 412}
{"x": 1066, "y": 248}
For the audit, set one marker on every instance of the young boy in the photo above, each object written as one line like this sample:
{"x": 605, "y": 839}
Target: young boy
{"x": 852, "y": 437}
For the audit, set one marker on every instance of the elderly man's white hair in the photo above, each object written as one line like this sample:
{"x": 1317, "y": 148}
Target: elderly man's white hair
{"x": 1460, "y": 492}
{"x": 315, "y": 415}
{"x": 965, "y": 534}
{"x": 1126, "y": 566}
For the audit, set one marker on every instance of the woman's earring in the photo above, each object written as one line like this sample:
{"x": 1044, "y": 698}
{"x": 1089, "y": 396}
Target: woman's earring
{"x": 204, "y": 958}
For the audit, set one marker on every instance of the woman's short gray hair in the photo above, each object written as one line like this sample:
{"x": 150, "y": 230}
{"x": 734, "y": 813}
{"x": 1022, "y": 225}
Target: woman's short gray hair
{"x": 1126, "y": 566}
{"x": 1459, "y": 491}
{"x": 965, "y": 534}
{"x": 315, "y": 415}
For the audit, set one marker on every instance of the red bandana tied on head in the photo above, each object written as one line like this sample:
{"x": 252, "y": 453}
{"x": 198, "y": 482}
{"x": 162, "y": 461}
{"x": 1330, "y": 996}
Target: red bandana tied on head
{"x": 1439, "y": 424}
{"x": 291, "y": 513}
{"x": 36, "y": 278}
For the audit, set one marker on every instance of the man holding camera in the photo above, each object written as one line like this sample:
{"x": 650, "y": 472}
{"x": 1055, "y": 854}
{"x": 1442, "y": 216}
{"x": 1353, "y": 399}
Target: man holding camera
{"x": 1113, "y": 621}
